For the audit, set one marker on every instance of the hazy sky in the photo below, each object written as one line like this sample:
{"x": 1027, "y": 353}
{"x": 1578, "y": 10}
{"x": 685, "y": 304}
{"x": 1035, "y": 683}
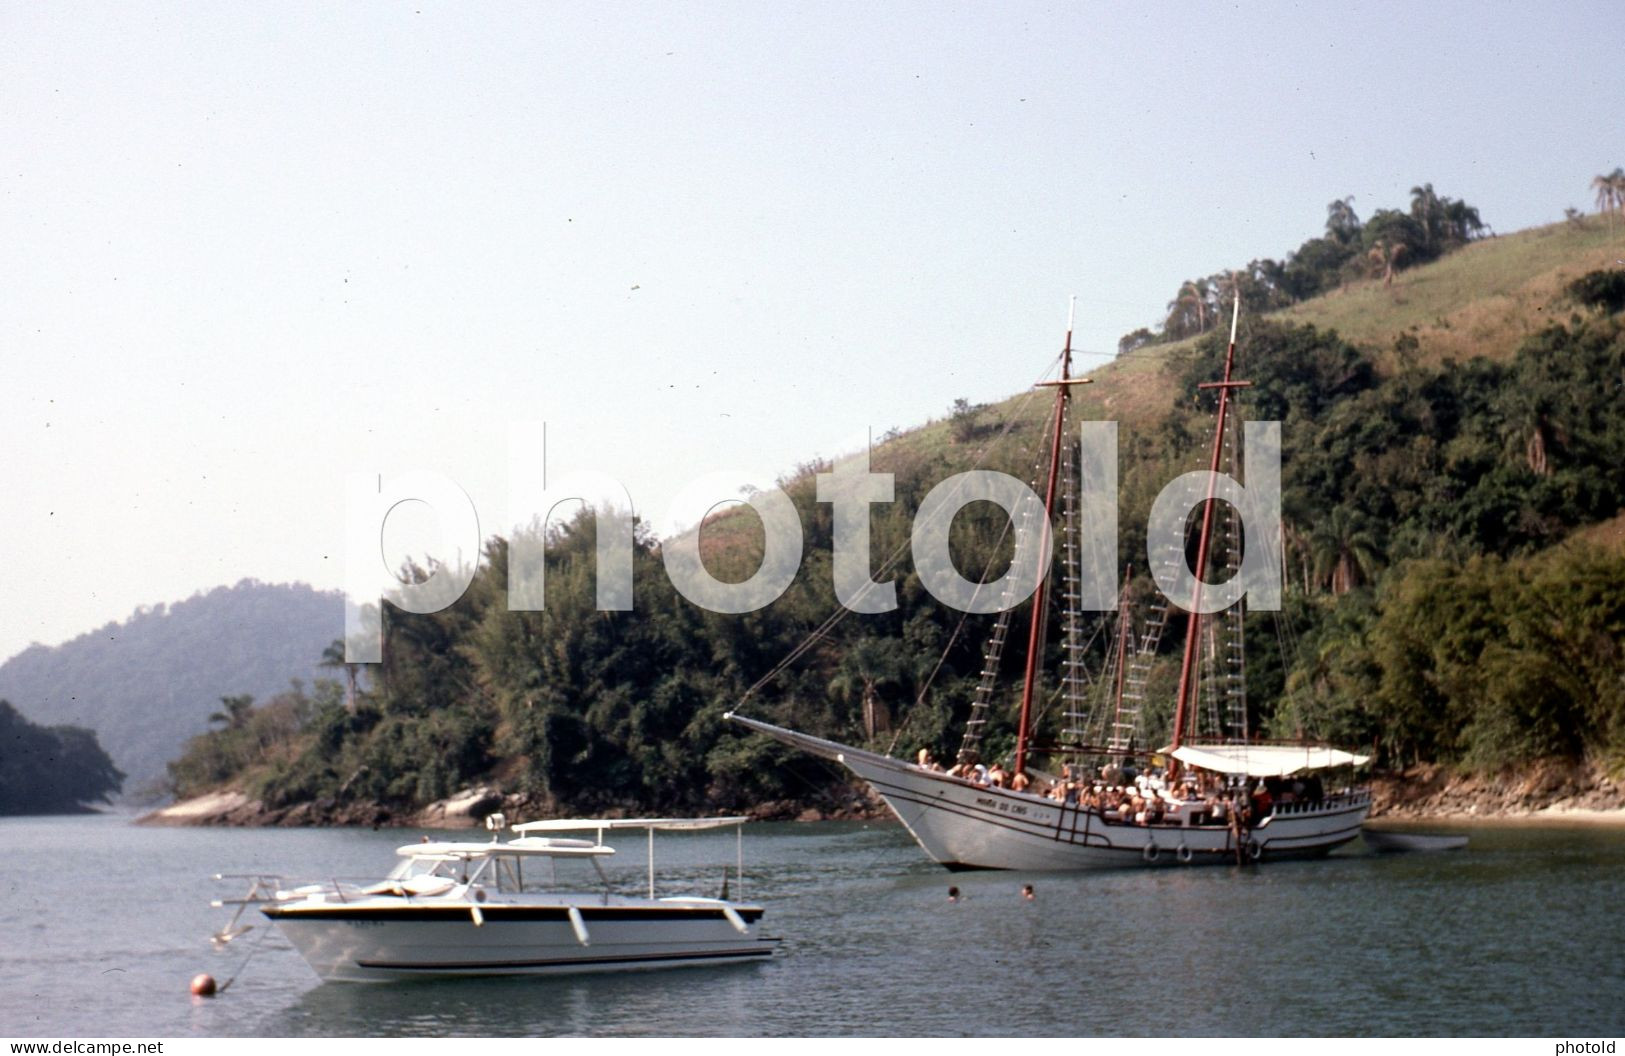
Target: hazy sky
{"x": 248, "y": 250}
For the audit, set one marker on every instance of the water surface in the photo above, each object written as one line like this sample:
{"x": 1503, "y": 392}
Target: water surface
{"x": 102, "y": 924}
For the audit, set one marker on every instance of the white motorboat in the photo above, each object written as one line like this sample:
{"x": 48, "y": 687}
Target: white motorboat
{"x": 1387, "y": 841}
{"x": 505, "y": 908}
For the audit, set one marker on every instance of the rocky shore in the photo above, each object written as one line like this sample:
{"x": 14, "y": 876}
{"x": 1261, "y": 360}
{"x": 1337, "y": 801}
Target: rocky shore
{"x": 466, "y": 809}
{"x": 1556, "y": 790}
{"x": 1551, "y": 791}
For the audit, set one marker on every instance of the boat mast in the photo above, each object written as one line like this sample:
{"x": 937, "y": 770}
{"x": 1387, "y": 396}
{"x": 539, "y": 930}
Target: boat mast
{"x": 1193, "y": 627}
{"x": 1035, "y": 627}
{"x": 1124, "y": 620}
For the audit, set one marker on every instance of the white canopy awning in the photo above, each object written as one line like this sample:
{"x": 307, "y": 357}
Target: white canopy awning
{"x": 1265, "y": 760}
{"x": 600, "y": 824}
{"x": 521, "y": 848}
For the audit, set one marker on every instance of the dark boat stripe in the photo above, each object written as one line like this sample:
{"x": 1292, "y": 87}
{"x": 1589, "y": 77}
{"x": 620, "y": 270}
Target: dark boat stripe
{"x": 414, "y": 911}
{"x": 572, "y": 962}
{"x": 1046, "y": 831}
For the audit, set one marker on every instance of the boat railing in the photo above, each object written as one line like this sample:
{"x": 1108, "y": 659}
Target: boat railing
{"x": 1335, "y": 801}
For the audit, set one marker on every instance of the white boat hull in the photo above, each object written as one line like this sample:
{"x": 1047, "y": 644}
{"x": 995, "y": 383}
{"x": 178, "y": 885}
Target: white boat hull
{"x": 967, "y": 826}
{"x": 386, "y": 939}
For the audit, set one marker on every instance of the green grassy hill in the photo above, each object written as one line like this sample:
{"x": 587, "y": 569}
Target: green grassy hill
{"x": 1482, "y": 300}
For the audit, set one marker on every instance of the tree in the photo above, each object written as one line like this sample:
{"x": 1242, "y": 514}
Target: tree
{"x": 1342, "y": 223}
{"x": 1316, "y": 266}
{"x": 962, "y": 423}
{"x": 236, "y": 711}
{"x": 1137, "y": 339}
{"x": 1461, "y": 224}
{"x": 1189, "y": 311}
{"x": 333, "y": 657}
{"x": 1346, "y": 550}
{"x": 1610, "y": 188}
{"x": 869, "y": 664}
{"x": 1383, "y": 256}
{"x": 1428, "y": 211}
{"x": 1603, "y": 289}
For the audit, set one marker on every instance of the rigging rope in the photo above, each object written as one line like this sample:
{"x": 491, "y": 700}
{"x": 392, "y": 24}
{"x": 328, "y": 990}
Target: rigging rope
{"x": 822, "y": 631}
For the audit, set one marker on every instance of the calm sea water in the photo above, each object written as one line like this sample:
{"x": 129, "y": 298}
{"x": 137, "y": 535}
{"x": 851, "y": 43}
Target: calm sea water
{"x": 102, "y": 924}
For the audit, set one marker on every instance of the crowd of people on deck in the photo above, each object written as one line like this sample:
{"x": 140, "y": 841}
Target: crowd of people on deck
{"x": 1123, "y": 795}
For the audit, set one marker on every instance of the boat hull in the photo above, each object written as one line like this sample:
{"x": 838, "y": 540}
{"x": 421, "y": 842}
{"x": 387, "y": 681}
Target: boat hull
{"x": 383, "y": 940}
{"x": 966, "y": 826}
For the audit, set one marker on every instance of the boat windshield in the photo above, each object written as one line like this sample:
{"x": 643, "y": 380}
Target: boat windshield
{"x": 507, "y": 869}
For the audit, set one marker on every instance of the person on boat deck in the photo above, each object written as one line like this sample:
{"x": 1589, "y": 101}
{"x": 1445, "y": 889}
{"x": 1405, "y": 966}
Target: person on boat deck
{"x": 997, "y": 776}
{"x": 1019, "y": 781}
{"x": 927, "y": 762}
{"x": 979, "y": 774}
{"x": 1263, "y": 803}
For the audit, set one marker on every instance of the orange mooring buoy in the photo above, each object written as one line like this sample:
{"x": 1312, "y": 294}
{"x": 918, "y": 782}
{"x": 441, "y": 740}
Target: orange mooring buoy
{"x": 203, "y": 985}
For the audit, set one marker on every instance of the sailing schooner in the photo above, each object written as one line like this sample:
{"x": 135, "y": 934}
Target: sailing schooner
{"x": 1223, "y": 798}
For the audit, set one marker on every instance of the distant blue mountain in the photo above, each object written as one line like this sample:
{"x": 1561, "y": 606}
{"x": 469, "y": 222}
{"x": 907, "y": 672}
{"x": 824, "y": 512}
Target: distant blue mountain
{"x": 147, "y": 684}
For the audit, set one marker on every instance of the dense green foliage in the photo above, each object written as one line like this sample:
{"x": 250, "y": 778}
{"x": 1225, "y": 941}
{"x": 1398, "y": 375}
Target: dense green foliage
{"x": 1436, "y": 608}
{"x": 1603, "y": 290}
{"x": 51, "y": 770}
{"x": 1488, "y": 662}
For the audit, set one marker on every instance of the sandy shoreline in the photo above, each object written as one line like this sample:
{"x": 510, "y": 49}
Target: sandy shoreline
{"x": 234, "y": 809}
{"x": 1553, "y": 817}
{"x": 1551, "y": 793}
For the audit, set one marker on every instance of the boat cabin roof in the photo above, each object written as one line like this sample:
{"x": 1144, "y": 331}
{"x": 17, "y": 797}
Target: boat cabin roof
{"x": 530, "y": 846}
{"x": 600, "y": 825}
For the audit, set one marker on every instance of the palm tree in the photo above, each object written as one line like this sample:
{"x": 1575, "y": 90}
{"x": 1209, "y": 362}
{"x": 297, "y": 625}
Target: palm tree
{"x": 864, "y": 668}
{"x": 1294, "y": 543}
{"x": 333, "y": 657}
{"x": 1188, "y": 312}
{"x": 1461, "y": 222}
{"x": 236, "y": 711}
{"x": 1347, "y": 551}
{"x": 1342, "y": 225}
{"x": 1427, "y": 210}
{"x": 1610, "y": 188}
{"x": 1533, "y": 429}
{"x": 1229, "y": 285}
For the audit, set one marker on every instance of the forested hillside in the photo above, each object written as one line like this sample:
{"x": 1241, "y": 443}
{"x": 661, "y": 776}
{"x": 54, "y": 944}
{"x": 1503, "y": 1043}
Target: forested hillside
{"x": 1450, "y": 596}
{"x": 147, "y": 683}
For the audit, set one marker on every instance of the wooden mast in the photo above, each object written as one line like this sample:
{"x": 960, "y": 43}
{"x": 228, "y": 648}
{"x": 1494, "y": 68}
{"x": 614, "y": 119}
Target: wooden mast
{"x": 1035, "y": 627}
{"x": 1123, "y": 622}
{"x": 1193, "y": 626}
